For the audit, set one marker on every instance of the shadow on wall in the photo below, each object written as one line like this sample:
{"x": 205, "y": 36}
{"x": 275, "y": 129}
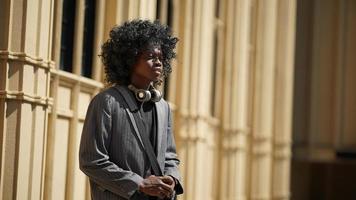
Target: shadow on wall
{"x": 324, "y": 180}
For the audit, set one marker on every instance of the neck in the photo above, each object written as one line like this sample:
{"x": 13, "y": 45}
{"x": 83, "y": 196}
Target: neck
{"x": 140, "y": 83}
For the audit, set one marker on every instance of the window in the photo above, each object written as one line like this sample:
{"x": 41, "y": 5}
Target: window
{"x": 68, "y": 19}
{"x": 88, "y": 37}
{"x": 68, "y": 34}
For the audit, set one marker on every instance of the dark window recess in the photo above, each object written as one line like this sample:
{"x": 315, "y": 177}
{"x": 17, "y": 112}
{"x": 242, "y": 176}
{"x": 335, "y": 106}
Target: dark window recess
{"x": 68, "y": 18}
{"x": 166, "y": 87}
{"x": 217, "y": 8}
{"x": 158, "y": 9}
{"x": 346, "y": 153}
{"x": 89, "y": 28}
{"x": 170, "y": 13}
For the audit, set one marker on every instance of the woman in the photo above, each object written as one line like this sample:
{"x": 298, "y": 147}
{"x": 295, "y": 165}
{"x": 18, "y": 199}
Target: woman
{"x": 127, "y": 146}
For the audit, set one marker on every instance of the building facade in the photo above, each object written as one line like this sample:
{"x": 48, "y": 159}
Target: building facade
{"x": 324, "y": 110}
{"x": 231, "y": 90}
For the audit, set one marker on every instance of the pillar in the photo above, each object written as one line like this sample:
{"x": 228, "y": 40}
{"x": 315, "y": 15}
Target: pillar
{"x": 263, "y": 99}
{"x": 24, "y": 96}
{"x": 194, "y": 125}
{"x": 235, "y": 127}
{"x": 283, "y": 103}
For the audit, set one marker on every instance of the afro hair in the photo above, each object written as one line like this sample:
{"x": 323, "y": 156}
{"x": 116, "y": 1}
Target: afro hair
{"x": 128, "y": 41}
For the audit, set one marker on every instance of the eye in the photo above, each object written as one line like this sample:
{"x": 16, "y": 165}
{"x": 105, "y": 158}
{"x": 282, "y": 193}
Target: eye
{"x": 149, "y": 57}
{"x": 154, "y": 56}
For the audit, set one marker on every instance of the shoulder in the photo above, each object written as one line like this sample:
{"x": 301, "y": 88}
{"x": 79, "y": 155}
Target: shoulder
{"x": 164, "y": 108}
{"x": 163, "y": 103}
{"x": 104, "y": 96}
{"x": 106, "y": 99}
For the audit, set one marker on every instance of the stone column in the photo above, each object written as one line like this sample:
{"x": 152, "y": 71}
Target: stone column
{"x": 147, "y": 9}
{"x": 284, "y": 72}
{"x": 263, "y": 99}
{"x": 235, "y": 107}
{"x": 25, "y": 52}
{"x": 194, "y": 126}
{"x": 97, "y": 69}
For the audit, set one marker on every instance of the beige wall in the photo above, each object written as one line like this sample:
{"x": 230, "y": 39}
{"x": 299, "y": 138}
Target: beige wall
{"x": 25, "y": 101}
{"x": 231, "y": 90}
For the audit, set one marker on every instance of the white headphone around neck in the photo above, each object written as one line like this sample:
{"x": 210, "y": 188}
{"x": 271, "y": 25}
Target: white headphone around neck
{"x": 142, "y": 95}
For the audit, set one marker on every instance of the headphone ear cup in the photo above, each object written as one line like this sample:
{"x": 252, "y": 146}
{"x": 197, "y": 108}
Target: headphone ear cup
{"x": 156, "y": 95}
{"x": 142, "y": 95}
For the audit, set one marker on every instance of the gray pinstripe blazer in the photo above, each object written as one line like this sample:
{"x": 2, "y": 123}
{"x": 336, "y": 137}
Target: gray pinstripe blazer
{"x": 111, "y": 153}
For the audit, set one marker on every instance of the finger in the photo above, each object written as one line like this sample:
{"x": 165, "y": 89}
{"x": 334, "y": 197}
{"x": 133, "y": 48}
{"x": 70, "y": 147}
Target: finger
{"x": 160, "y": 186}
{"x": 166, "y": 187}
{"x": 167, "y": 191}
{"x": 161, "y": 195}
{"x": 167, "y": 179}
{"x": 158, "y": 192}
{"x": 164, "y": 193}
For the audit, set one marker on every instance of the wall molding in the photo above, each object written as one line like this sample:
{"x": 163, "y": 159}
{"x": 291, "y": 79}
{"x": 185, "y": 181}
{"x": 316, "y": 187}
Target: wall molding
{"x": 26, "y": 97}
{"x": 26, "y": 58}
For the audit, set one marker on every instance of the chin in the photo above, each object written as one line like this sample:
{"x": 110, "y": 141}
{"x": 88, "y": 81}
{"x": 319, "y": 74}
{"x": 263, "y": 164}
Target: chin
{"x": 156, "y": 78}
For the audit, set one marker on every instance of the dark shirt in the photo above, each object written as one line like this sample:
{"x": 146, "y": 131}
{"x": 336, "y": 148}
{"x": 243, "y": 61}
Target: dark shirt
{"x": 147, "y": 114}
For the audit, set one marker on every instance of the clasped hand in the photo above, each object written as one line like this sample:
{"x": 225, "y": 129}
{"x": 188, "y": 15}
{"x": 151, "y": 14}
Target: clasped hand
{"x": 158, "y": 186}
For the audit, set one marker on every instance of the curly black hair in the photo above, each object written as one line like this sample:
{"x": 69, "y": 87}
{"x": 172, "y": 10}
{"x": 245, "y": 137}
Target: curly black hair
{"x": 128, "y": 41}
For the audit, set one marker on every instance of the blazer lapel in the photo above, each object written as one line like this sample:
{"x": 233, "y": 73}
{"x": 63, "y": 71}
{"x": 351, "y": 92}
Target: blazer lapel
{"x": 131, "y": 111}
{"x": 135, "y": 126}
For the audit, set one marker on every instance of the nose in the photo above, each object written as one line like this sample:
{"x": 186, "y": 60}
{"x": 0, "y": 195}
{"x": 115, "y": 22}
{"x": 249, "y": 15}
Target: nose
{"x": 157, "y": 61}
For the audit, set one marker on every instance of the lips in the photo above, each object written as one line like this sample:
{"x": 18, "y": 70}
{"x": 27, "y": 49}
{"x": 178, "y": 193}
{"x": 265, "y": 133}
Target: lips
{"x": 157, "y": 70}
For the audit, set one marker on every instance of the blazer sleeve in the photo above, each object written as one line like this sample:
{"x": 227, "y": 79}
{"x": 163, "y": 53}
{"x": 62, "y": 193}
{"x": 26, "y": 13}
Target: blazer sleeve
{"x": 171, "y": 160}
{"x": 94, "y": 158}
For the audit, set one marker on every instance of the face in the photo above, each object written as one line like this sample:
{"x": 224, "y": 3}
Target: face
{"x": 148, "y": 67}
